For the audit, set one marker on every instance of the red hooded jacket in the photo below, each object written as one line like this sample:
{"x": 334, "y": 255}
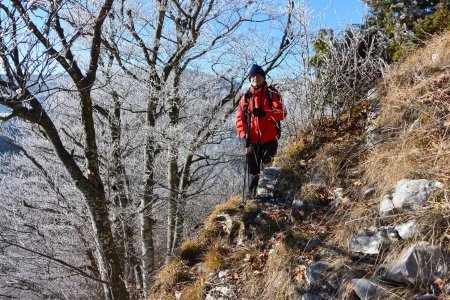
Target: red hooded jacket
{"x": 262, "y": 129}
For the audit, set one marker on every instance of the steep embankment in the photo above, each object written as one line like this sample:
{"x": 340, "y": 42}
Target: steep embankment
{"x": 361, "y": 209}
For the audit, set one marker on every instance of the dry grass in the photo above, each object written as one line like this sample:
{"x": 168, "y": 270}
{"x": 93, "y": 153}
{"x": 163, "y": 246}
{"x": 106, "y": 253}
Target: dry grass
{"x": 195, "y": 290}
{"x": 289, "y": 155}
{"x": 230, "y": 206}
{"x": 275, "y": 281}
{"x": 415, "y": 126}
{"x": 415, "y": 120}
{"x": 214, "y": 258}
{"x": 168, "y": 277}
{"x": 421, "y": 64}
{"x": 191, "y": 251}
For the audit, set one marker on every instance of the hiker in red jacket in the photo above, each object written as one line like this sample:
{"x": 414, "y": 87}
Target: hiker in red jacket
{"x": 262, "y": 105}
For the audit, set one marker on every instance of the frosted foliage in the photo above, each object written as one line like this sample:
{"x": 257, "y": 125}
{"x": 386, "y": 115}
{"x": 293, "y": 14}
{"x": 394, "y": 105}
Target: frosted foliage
{"x": 34, "y": 218}
{"x": 118, "y": 140}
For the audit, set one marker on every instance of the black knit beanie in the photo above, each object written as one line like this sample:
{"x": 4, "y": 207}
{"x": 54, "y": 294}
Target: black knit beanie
{"x": 255, "y": 69}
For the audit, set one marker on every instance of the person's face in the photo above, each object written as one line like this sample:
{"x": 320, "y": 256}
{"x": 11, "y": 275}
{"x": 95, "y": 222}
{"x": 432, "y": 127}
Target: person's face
{"x": 257, "y": 80}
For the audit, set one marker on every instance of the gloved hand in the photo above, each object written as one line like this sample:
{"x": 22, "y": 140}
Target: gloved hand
{"x": 248, "y": 148}
{"x": 259, "y": 112}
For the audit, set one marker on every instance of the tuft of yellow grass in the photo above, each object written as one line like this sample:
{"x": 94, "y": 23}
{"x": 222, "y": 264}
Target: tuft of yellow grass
{"x": 169, "y": 275}
{"x": 230, "y": 206}
{"x": 191, "y": 251}
{"x": 214, "y": 258}
{"x": 195, "y": 290}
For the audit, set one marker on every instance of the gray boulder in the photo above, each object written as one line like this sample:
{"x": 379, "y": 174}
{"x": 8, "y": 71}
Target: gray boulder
{"x": 408, "y": 230}
{"x": 373, "y": 136}
{"x": 322, "y": 275}
{"x": 370, "y": 240}
{"x": 408, "y": 195}
{"x": 419, "y": 264}
{"x": 367, "y": 289}
{"x": 233, "y": 227}
{"x": 268, "y": 183}
{"x": 367, "y": 242}
{"x": 309, "y": 296}
{"x": 428, "y": 297}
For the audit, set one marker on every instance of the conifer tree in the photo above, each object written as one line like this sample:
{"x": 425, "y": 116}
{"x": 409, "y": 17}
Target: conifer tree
{"x": 408, "y": 22}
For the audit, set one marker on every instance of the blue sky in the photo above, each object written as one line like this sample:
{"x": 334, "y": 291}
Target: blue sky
{"x": 337, "y": 13}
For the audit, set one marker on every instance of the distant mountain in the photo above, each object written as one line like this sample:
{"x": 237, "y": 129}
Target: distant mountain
{"x": 6, "y": 146}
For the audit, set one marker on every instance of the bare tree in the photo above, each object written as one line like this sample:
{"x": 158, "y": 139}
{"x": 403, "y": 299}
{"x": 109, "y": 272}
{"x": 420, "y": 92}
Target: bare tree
{"x": 181, "y": 33}
{"x": 187, "y": 63}
{"x": 51, "y": 43}
{"x": 331, "y": 72}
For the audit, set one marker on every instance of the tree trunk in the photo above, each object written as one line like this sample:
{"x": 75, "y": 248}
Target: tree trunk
{"x": 120, "y": 188}
{"x": 173, "y": 178}
{"x": 147, "y": 200}
{"x": 173, "y": 181}
{"x": 110, "y": 264}
{"x": 182, "y": 198}
{"x": 96, "y": 199}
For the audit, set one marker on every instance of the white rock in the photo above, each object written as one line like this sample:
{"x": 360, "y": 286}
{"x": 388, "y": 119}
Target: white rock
{"x": 219, "y": 293}
{"x": 408, "y": 194}
{"x": 434, "y": 57}
{"x": 408, "y": 230}
{"x": 222, "y": 274}
{"x": 412, "y": 193}
{"x": 178, "y": 295}
{"x": 439, "y": 185}
{"x": 386, "y": 205}
{"x": 366, "y": 242}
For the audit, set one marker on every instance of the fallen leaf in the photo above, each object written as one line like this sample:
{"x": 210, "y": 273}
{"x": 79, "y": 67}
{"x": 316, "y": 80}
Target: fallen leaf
{"x": 234, "y": 276}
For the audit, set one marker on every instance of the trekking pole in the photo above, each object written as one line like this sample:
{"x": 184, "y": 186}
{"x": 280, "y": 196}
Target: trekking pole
{"x": 247, "y": 144}
{"x": 245, "y": 180}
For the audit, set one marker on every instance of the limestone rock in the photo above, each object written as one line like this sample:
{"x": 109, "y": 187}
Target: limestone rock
{"x": 267, "y": 186}
{"x": 297, "y": 210}
{"x": 369, "y": 290}
{"x": 219, "y": 293}
{"x": 309, "y": 296}
{"x": 408, "y": 194}
{"x": 428, "y": 297}
{"x": 434, "y": 57}
{"x": 419, "y": 264}
{"x": 322, "y": 275}
{"x": 408, "y": 230}
{"x": 233, "y": 227}
{"x": 367, "y": 242}
{"x": 373, "y": 136}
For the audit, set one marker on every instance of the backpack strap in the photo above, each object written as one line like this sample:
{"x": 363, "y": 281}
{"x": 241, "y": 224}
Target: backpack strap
{"x": 270, "y": 90}
{"x": 247, "y": 118}
{"x": 247, "y": 97}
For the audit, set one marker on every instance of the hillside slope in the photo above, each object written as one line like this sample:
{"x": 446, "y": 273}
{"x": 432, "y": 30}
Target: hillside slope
{"x": 340, "y": 229}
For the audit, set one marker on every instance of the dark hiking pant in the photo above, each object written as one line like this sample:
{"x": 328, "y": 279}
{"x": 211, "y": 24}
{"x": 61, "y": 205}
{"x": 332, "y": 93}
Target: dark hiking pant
{"x": 260, "y": 156}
